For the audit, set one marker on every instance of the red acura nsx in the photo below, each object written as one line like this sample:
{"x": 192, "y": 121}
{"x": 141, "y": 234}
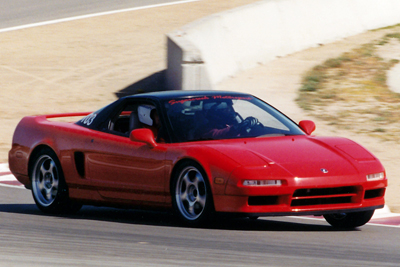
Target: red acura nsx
{"x": 197, "y": 153}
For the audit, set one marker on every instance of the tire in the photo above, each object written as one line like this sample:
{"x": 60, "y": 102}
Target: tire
{"x": 349, "y": 220}
{"x": 49, "y": 189}
{"x": 191, "y": 195}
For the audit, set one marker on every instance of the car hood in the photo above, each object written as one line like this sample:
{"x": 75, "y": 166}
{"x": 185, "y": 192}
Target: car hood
{"x": 300, "y": 156}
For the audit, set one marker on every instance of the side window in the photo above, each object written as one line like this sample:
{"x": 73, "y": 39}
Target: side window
{"x": 122, "y": 122}
{"x": 134, "y": 116}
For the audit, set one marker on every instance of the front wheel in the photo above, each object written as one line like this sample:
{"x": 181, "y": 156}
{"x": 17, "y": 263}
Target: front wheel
{"x": 49, "y": 189}
{"x": 191, "y": 194}
{"x": 349, "y": 220}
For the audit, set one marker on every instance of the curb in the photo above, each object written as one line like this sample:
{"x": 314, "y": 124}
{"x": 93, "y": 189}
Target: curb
{"x": 7, "y": 179}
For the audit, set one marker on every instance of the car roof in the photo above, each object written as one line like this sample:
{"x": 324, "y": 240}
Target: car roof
{"x": 183, "y": 94}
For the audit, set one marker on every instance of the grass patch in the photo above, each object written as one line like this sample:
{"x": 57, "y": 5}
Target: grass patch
{"x": 350, "y": 91}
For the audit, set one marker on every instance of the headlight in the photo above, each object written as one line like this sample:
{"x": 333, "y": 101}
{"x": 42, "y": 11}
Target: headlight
{"x": 376, "y": 176}
{"x": 261, "y": 182}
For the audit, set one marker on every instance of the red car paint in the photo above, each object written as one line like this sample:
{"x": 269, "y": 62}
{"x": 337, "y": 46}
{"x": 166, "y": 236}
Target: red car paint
{"x": 317, "y": 175}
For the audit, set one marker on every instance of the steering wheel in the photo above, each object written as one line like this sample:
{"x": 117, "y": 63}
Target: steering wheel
{"x": 248, "y": 124}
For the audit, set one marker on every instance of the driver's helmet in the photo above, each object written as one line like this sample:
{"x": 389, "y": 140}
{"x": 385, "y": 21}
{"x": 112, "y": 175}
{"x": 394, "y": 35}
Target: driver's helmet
{"x": 144, "y": 112}
{"x": 221, "y": 113}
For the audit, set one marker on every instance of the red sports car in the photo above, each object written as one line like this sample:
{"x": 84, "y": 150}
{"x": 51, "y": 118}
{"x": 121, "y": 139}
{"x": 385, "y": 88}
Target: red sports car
{"x": 196, "y": 152}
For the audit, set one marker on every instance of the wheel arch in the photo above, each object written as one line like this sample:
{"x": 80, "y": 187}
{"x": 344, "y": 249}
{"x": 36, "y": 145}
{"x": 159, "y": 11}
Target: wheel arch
{"x": 214, "y": 165}
{"x": 205, "y": 170}
{"x": 60, "y": 202}
{"x": 36, "y": 151}
{"x": 180, "y": 163}
{"x": 188, "y": 215}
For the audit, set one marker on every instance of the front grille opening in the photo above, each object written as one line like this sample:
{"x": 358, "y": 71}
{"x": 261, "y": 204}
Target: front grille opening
{"x": 320, "y": 201}
{"x": 374, "y": 193}
{"x": 325, "y": 191}
{"x": 263, "y": 200}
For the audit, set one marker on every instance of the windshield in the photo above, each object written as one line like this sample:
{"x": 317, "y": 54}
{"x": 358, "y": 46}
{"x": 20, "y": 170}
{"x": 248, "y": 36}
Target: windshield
{"x": 226, "y": 117}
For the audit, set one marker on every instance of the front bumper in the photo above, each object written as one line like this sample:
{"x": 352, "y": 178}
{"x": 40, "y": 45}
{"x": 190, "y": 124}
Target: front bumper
{"x": 303, "y": 200}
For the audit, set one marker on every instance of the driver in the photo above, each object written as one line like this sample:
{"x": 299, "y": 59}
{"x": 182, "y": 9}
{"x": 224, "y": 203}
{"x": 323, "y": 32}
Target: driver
{"x": 224, "y": 122}
{"x": 150, "y": 119}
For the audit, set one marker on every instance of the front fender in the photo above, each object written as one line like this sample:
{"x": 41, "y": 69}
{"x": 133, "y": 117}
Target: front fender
{"x": 216, "y": 165}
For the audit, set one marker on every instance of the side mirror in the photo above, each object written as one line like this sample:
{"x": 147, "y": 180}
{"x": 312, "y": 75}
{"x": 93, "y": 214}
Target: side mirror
{"x": 143, "y": 135}
{"x": 307, "y": 126}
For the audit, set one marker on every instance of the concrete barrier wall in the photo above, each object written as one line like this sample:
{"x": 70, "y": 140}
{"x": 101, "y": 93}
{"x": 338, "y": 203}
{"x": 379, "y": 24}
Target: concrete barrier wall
{"x": 203, "y": 53}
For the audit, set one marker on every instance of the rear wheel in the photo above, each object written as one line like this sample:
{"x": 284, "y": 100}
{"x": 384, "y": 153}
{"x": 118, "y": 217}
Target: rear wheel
{"x": 192, "y": 200}
{"x": 349, "y": 220}
{"x": 49, "y": 189}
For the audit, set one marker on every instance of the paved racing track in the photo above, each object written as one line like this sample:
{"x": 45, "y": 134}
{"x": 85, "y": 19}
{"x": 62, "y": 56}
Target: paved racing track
{"x": 111, "y": 237}
{"x": 19, "y": 12}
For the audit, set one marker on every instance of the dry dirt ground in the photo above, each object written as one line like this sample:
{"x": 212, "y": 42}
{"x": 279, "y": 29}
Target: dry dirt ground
{"x": 83, "y": 65}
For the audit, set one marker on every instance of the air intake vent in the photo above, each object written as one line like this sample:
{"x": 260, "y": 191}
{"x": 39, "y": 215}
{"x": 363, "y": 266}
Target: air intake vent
{"x": 323, "y": 196}
{"x": 80, "y": 163}
{"x": 375, "y": 193}
{"x": 263, "y": 200}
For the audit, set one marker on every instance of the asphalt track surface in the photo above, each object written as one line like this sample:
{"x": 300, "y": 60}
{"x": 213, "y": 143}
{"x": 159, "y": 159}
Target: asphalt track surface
{"x": 25, "y": 12}
{"x": 111, "y": 237}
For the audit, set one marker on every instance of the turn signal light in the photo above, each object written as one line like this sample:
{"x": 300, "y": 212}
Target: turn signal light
{"x": 261, "y": 182}
{"x": 376, "y": 176}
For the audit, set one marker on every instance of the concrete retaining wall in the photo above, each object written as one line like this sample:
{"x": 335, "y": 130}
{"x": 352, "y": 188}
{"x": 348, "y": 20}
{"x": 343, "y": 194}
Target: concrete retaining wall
{"x": 203, "y": 53}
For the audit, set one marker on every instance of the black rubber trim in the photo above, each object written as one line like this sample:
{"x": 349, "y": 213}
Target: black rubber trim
{"x": 301, "y": 213}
